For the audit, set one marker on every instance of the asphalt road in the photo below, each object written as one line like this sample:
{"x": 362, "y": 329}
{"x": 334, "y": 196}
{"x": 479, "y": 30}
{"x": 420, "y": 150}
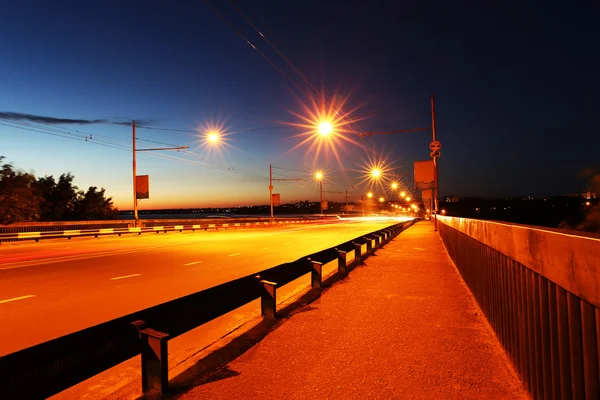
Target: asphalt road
{"x": 52, "y": 288}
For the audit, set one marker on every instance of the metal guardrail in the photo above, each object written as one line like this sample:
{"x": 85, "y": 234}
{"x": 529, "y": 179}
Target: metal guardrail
{"x": 48, "y": 368}
{"x": 540, "y": 292}
{"x": 40, "y": 232}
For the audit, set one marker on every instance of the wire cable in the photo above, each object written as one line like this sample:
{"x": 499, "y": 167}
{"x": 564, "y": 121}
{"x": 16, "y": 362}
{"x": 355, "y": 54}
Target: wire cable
{"x": 255, "y": 48}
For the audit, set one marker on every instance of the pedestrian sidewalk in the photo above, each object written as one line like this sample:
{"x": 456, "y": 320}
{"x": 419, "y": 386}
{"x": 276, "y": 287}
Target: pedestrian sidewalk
{"x": 401, "y": 326}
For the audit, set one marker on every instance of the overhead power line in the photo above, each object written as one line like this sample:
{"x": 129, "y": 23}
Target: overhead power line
{"x": 344, "y": 118}
{"x": 96, "y": 140}
{"x": 196, "y": 131}
{"x": 255, "y": 48}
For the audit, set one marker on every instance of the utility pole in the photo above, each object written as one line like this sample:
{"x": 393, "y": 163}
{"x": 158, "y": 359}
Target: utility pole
{"x": 135, "y": 150}
{"x": 271, "y": 189}
{"x": 135, "y": 204}
{"x": 346, "y": 201}
{"x": 271, "y": 180}
{"x": 435, "y": 166}
{"x": 321, "y": 191}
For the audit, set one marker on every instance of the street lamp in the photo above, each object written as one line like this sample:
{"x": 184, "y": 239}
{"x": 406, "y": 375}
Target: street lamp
{"x": 402, "y": 194}
{"x": 212, "y": 137}
{"x": 324, "y": 128}
{"x": 407, "y": 198}
{"x": 395, "y": 185}
{"x": 376, "y": 173}
{"x": 319, "y": 177}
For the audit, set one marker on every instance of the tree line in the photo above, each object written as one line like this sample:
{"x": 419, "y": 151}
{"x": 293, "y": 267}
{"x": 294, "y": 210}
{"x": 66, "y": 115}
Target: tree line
{"x": 25, "y": 198}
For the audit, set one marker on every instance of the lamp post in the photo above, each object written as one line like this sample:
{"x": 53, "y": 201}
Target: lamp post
{"x": 319, "y": 177}
{"x": 134, "y": 165}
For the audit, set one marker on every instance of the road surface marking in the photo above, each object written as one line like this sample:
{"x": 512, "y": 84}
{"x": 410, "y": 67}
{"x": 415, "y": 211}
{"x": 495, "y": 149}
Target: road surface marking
{"x": 124, "y": 277}
{"x": 418, "y": 248}
{"x": 234, "y": 254}
{"x": 17, "y": 298}
{"x": 265, "y": 248}
{"x": 192, "y": 263}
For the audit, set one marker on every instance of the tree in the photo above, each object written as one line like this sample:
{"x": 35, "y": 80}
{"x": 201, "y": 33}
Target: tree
{"x": 59, "y": 198}
{"x": 24, "y": 198}
{"x": 94, "y": 205}
{"x": 19, "y": 199}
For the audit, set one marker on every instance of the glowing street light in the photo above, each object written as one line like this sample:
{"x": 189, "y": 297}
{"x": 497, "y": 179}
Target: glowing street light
{"x": 213, "y": 137}
{"x": 395, "y": 185}
{"x": 324, "y": 128}
{"x": 402, "y": 194}
{"x": 370, "y": 195}
{"x": 376, "y": 173}
{"x": 407, "y": 198}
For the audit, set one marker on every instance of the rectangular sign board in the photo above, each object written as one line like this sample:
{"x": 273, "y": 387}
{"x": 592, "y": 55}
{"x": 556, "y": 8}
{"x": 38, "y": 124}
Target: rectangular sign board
{"x": 424, "y": 175}
{"x": 142, "y": 187}
{"x": 276, "y": 199}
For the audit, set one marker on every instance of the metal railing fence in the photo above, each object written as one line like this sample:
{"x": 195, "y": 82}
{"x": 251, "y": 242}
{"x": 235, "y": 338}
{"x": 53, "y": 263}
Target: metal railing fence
{"x": 551, "y": 334}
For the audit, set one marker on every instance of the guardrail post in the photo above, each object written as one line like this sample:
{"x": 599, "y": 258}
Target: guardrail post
{"x": 342, "y": 269}
{"x": 316, "y": 274}
{"x": 369, "y": 245}
{"x": 268, "y": 304}
{"x": 155, "y": 372}
{"x": 357, "y": 252}
{"x": 390, "y": 233}
{"x": 378, "y": 239}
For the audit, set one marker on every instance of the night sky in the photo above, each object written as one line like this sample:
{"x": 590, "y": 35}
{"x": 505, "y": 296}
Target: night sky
{"x": 514, "y": 85}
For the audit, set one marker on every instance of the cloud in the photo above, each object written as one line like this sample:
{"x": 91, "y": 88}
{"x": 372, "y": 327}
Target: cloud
{"x": 15, "y": 116}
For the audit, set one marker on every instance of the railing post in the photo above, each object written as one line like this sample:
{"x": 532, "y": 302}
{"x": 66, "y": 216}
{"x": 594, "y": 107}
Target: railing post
{"x": 268, "y": 303}
{"x": 155, "y": 371}
{"x": 342, "y": 269}
{"x": 316, "y": 274}
{"x": 369, "y": 245}
{"x": 357, "y": 252}
{"x": 375, "y": 238}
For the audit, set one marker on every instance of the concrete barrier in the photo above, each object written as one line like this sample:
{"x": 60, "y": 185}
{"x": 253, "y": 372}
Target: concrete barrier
{"x": 540, "y": 290}
{"x": 571, "y": 261}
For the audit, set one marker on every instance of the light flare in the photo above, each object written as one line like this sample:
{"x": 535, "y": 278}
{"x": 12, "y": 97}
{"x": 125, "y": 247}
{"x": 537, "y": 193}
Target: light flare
{"x": 325, "y": 128}
{"x": 213, "y": 136}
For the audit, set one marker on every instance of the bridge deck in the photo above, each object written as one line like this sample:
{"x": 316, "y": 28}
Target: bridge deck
{"x": 403, "y": 325}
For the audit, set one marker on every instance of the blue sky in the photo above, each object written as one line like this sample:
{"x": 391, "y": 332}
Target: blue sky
{"x": 513, "y": 83}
